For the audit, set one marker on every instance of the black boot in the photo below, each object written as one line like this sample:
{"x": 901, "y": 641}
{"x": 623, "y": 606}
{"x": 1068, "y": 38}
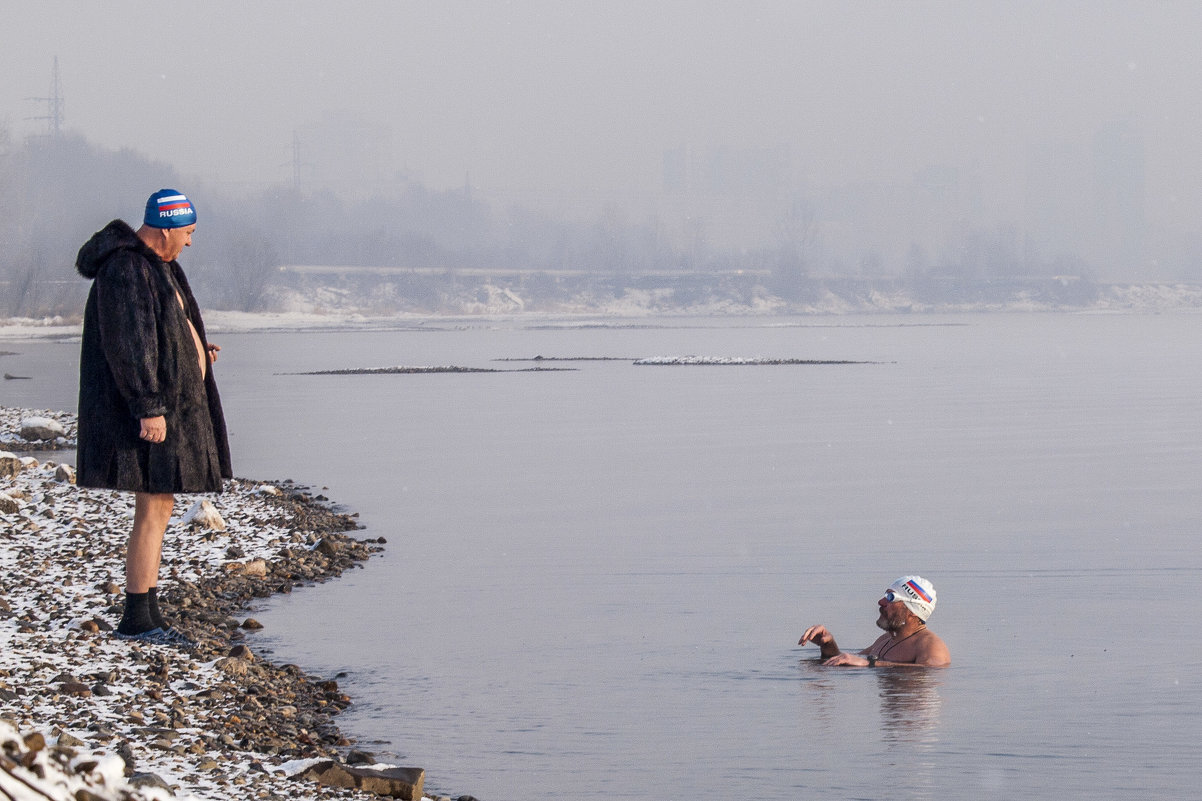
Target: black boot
{"x": 139, "y": 623}
{"x": 136, "y": 618}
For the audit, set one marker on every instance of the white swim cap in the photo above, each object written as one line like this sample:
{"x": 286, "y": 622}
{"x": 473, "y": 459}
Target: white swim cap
{"x": 917, "y": 594}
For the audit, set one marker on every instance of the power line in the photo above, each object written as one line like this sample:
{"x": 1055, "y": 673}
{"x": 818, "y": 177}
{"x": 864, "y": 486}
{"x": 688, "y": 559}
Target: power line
{"x": 55, "y": 104}
{"x": 298, "y": 166}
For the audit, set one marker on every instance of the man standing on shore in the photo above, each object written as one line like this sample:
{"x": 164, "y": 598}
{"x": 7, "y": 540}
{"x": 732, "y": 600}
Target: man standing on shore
{"x": 904, "y": 609}
{"x": 150, "y": 419}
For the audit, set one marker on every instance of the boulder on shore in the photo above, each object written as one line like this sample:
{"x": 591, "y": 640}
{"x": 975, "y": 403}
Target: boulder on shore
{"x": 10, "y": 465}
{"x": 204, "y": 514}
{"x": 404, "y": 783}
{"x": 36, "y": 429}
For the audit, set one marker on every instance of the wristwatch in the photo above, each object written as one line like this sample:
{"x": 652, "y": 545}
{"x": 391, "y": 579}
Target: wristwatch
{"x": 872, "y": 660}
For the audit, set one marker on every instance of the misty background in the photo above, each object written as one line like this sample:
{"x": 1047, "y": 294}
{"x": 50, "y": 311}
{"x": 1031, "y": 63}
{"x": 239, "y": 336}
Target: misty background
{"x": 751, "y": 150}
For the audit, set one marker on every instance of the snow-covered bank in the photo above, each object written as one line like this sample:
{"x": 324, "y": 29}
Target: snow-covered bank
{"x": 524, "y": 295}
{"x": 16, "y": 329}
{"x": 359, "y": 308}
{"x": 89, "y": 713}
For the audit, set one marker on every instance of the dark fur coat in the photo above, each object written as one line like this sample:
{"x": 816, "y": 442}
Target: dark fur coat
{"x": 138, "y": 360}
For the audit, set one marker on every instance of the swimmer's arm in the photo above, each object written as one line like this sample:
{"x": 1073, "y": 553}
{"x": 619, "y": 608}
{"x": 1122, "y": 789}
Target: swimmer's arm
{"x": 857, "y": 659}
{"x": 820, "y": 636}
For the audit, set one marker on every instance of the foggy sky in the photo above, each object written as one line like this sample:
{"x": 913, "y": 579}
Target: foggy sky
{"x": 538, "y": 102}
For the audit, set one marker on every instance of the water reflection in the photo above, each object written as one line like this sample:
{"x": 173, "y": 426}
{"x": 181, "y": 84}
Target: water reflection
{"x": 910, "y": 702}
{"x": 899, "y": 726}
{"x": 910, "y": 705}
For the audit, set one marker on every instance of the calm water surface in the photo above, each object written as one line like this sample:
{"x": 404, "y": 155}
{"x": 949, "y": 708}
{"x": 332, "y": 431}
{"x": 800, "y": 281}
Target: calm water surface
{"x": 595, "y": 579}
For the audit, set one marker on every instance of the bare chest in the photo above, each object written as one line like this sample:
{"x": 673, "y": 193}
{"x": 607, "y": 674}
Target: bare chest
{"x": 897, "y": 649}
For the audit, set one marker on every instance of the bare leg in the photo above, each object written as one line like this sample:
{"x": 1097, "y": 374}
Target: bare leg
{"x": 152, "y": 512}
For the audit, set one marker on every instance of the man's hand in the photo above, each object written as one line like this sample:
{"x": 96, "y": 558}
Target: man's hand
{"x": 848, "y": 660}
{"x": 154, "y": 429}
{"x": 817, "y": 635}
{"x": 823, "y": 639}
{"x": 213, "y": 351}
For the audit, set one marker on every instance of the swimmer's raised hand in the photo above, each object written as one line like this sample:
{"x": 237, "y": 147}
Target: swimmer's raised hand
{"x": 817, "y": 635}
{"x": 822, "y": 638}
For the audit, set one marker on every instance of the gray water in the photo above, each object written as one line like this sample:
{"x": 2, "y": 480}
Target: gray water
{"x": 595, "y": 579}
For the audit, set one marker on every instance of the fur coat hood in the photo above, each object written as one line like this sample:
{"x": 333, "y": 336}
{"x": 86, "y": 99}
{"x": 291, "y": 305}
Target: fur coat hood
{"x": 114, "y": 237}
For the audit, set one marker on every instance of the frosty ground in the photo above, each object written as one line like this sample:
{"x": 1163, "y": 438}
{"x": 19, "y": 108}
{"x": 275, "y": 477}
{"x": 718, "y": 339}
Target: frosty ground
{"x": 89, "y": 712}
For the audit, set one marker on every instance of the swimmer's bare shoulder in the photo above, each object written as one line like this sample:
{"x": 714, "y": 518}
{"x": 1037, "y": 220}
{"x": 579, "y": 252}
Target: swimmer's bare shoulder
{"x": 926, "y": 649}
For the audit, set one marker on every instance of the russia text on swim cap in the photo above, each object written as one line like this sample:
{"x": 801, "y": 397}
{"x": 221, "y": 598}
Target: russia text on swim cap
{"x": 174, "y": 206}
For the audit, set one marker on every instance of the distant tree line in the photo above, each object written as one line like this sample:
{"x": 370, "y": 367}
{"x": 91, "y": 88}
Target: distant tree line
{"x": 55, "y": 191}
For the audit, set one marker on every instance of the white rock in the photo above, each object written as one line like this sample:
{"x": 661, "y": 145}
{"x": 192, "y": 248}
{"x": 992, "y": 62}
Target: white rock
{"x": 110, "y": 768}
{"x": 8, "y": 504}
{"x": 39, "y": 428}
{"x": 204, "y": 515}
{"x": 10, "y": 465}
{"x": 65, "y": 473}
{"x": 256, "y": 568}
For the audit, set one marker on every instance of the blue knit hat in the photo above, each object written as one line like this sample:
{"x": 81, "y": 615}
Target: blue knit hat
{"x": 168, "y": 208}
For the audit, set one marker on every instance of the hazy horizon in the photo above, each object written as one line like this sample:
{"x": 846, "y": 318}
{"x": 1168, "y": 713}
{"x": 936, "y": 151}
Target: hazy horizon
{"x": 578, "y": 106}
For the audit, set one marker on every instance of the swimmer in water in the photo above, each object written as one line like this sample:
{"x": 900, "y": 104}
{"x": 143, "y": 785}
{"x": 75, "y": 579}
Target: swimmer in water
{"x": 904, "y": 609}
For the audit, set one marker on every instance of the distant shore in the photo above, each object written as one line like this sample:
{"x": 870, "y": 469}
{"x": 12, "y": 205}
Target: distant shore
{"x": 355, "y": 308}
{"x": 215, "y": 723}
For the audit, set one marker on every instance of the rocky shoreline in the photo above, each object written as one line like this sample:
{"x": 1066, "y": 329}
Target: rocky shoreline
{"x": 86, "y": 716}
